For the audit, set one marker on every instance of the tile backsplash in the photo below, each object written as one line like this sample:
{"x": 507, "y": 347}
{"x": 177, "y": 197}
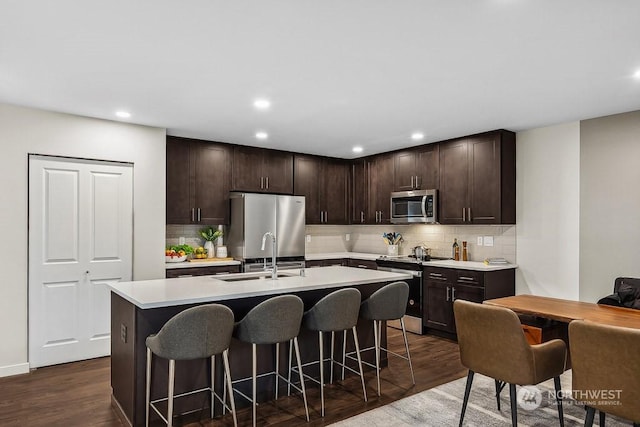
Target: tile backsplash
{"x": 368, "y": 238}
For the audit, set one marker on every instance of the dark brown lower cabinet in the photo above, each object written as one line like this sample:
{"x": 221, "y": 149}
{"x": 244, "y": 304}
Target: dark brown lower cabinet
{"x": 363, "y": 263}
{"x": 202, "y": 271}
{"x": 325, "y": 262}
{"x": 442, "y": 286}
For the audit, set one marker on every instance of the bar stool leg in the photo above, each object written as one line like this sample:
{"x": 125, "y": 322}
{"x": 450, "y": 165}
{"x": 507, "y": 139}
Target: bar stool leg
{"x": 213, "y": 381}
{"x": 148, "y": 399}
{"x": 406, "y": 346}
{"x": 357, "y": 344}
{"x": 304, "y": 393}
{"x": 254, "y": 370}
{"x": 277, "y": 366}
{"x": 227, "y": 373}
{"x": 172, "y": 376}
{"x": 333, "y": 344}
{"x": 289, "y": 373}
{"x": 321, "y": 345}
{"x": 376, "y": 339}
{"x": 344, "y": 351}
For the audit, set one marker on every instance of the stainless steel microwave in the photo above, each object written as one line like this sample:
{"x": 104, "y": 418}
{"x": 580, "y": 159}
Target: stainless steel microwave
{"x": 419, "y": 206}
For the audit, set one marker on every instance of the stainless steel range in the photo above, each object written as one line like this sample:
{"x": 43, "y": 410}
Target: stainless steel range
{"x": 413, "y": 266}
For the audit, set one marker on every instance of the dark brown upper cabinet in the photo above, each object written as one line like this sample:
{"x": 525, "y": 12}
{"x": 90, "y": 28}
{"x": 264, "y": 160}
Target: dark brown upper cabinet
{"x": 325, "y": 183}
{"x": 360, "y": 191}
{"x": 380, "y": 189}
{"x": 198, "y": 175}
{"x": 478, "y": 179}
{"x": 417, "y": 168}
{"x": 262, "y": 170}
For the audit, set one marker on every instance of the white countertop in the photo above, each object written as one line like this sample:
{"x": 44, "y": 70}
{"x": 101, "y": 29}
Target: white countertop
{"x": 449, "y": 263}
{"x": 338, "y": 255}
{"x": 202, "y": 289}
{"x": 195, "y": 264}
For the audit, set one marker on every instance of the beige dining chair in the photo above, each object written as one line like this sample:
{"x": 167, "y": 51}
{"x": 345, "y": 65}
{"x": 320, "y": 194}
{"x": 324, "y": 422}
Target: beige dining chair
{"x": 606, "y": 372}
{"x": 492, "y": 343}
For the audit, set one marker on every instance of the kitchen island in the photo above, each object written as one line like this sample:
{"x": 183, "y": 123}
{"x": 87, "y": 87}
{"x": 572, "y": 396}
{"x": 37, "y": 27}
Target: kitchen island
{"x": 140, "y": 308}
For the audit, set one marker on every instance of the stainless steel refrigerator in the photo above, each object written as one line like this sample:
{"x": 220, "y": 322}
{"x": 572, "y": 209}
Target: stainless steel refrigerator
{"x": 252, "y": 215}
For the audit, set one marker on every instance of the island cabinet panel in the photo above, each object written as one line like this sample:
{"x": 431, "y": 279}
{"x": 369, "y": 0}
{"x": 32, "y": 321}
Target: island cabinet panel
{"x": 417, "y": 169}
{"x": 477, "y": 179}
{"x": 131, "y": 325}
{"x": 325, "y": 184}
{"x": 198, "y": 179}
{"x": 363, "y": 263}
{"x": 442, "y": 286}
{"x": 261, "y": 170}
{"x": 326, "y": 262}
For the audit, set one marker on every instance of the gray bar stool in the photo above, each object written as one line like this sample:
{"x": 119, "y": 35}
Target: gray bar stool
{"x": 273, "y": 321}
{"x": 337, "y": 311}
{"x": 195, "y": 333}
{"x": 387, "y": 303}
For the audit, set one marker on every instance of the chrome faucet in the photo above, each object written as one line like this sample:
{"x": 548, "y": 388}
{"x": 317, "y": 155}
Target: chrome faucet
{"x": 274, "y": 268}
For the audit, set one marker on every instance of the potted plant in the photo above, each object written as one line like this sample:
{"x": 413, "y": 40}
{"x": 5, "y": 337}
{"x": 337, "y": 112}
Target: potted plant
{"x": 209, "y": 235}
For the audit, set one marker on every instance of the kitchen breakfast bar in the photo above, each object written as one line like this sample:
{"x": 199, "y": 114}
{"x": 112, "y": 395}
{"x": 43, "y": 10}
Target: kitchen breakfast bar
{"x": 141, "y": 308}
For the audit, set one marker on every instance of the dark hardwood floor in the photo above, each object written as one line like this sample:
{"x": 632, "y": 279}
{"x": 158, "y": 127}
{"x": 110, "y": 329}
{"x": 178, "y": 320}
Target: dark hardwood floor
{"x": 78, "y": 394}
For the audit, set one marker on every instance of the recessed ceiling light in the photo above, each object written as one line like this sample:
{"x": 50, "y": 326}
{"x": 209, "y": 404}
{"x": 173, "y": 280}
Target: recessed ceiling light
{"x": 417, "y": 136}
{"x": 357, "y": 149}
{"x": 637, "y": 74}
{"x": 262, "y": 104}
{"x": 123, "y": 114}
{"x": 262, "y": 135}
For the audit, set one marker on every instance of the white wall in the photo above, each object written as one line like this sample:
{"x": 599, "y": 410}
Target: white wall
{"x": 548, "y": 210}
{"x": 610, "y": 202}
{"x": 24, "y": 131}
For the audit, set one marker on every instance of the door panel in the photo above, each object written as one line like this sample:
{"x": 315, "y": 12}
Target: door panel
{"x": 485, "y": 180}
{"x": 454, "y": 181}
{"x": 80, "y": 238}
{"x": 211, "y": 190}
{"x": 405, "y": 171}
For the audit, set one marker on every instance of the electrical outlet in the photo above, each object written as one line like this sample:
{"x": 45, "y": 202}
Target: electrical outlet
{"x": 308, "y": 238}
{"x": 488, "y": 240}
{"x": 347, "y": 237}
{"x": 479, "y": 240}
{"x": 181, "y": 241}
{"x": 123, "y": 333}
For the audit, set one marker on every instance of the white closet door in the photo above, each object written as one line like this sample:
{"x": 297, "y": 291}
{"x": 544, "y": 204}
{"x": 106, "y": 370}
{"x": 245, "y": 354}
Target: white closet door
{"x": 80, "y": 239}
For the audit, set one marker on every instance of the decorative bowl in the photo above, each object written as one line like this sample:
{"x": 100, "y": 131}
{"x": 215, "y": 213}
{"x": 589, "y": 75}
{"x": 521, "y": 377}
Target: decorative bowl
{"x": 175, "y": 258}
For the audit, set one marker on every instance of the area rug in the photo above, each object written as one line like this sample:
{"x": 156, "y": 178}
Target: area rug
{"x": 440, "y": 407}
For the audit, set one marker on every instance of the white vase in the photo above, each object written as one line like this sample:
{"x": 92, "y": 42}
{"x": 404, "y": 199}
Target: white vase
{"x": 208, "y": 245}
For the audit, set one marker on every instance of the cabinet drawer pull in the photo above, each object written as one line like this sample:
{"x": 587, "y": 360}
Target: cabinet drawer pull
{"x": 453, "y": 294}
{"x": 448, "y": 290}
{"x": 466, "y": 278}
{"x": 362, "y": 266}
{"x": 185, "y": 275}
{"x": 435, "y": 274}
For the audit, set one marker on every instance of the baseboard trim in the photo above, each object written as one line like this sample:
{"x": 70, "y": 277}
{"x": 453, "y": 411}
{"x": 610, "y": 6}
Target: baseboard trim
{"x": 20, "y": 368}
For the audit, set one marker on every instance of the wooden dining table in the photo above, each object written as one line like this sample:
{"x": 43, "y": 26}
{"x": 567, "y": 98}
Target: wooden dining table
{"x": 565, "y": 311}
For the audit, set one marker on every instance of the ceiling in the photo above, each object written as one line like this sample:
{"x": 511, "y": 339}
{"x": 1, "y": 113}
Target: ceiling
{"x": 337, "y": 73}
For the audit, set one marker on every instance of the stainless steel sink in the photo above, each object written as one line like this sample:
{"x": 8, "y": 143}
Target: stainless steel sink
{"x": 258, "y": 275}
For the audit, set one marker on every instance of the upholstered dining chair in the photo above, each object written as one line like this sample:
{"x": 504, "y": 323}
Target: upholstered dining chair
{"x": 492, "y": 343}
{"x": 606, "y": 372}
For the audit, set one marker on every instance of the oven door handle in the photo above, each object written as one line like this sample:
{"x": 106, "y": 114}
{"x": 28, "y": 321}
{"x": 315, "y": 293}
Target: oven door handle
{"x": 424, "y": 207}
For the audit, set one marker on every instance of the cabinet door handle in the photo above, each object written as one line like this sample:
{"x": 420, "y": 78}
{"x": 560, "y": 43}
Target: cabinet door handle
{"x": 193, "y": 215}
{"x": 326, "y": 216}
{"x": 417, "y": 183}
{"x": 412, "y": 183}
{"x": 453, "y": 293}
{"x": 361, "y": 216}
{"x": 448, "y": 290}
{"x": 464, "y": 216}
{"x": 380, "y": 216}
{"x": 262, "y": 183}
{"x": 321, "y": 217}
{"x": 267, "y": 180}
{"x": 469, "y": 215}
{"x": 199, "y": 216}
